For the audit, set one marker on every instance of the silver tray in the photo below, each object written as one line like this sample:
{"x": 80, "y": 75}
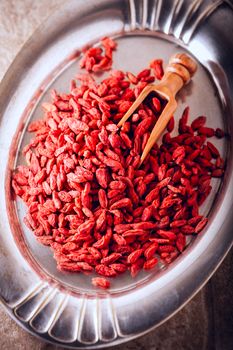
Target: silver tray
{"x": 63, "y": 308}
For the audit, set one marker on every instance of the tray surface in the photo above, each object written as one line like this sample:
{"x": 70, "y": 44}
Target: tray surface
{"x": 63, "y": 308}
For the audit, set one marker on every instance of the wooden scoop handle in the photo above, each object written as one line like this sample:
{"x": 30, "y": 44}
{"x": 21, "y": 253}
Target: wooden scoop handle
{"x": 179, "y": 71}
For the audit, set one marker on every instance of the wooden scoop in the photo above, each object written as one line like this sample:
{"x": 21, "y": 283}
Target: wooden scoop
{"x": 179, "y": 71}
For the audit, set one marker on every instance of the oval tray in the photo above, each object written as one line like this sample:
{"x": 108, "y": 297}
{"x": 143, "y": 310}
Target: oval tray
{"x": 63, "y": 308}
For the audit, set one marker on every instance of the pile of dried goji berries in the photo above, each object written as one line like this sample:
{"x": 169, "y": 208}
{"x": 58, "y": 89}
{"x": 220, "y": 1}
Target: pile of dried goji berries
{"x": 86, "y": 196}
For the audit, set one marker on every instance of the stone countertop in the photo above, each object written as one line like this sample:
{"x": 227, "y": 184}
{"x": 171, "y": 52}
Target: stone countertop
{"x": 206, "y": 322}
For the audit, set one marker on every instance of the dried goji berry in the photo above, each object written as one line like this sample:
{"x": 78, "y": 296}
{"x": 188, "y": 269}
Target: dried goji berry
{"x": 85, "y": 193}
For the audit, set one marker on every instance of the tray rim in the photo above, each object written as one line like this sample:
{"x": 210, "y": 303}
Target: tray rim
{"x": 5, "y": 80}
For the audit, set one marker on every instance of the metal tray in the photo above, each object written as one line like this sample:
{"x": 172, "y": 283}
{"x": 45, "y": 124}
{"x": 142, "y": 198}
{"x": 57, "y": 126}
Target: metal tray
{"x": 63, "y": 308}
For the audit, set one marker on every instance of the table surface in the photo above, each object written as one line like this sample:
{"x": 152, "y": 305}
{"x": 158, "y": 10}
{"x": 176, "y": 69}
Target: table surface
{"x": 206, "y": 322}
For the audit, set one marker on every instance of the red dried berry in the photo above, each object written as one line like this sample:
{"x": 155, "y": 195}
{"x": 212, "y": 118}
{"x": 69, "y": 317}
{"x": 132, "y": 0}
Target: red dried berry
{"x": 150, "y": 264}
{"x": 100, "y": 282}
{"x": 86, "y": 196}
{"x": 198, "y": 122}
